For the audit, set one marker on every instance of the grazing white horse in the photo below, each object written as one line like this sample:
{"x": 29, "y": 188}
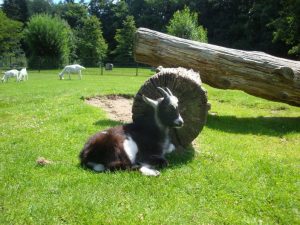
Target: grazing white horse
{"x": 23, "y": 75}
{"x": 10, "y": 73}
{"x": 76, "y": 68}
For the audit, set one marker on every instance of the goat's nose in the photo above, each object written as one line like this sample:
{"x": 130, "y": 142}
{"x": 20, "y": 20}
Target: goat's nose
{"x": 179, "y": 122}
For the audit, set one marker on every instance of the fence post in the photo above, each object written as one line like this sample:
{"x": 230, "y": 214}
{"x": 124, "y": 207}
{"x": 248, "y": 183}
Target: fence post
{"x": 137, "y": 70}
{"x": 40, "y": 64}
{"x": 101, "y": 67}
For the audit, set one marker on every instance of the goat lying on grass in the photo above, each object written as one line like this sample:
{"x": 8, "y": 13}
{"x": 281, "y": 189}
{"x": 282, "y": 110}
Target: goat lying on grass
{"x": 10, "y": 73}
{"x": 71, "y": 69}
{"x": 141, "y": 144}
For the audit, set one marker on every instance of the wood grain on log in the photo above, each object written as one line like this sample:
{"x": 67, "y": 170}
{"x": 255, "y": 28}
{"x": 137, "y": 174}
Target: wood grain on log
{"x": 255, "y": 73}
{"x": 193, "y": 106}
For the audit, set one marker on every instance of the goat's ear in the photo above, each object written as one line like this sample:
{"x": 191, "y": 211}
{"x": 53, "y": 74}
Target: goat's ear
{"x": 150, "y": 102}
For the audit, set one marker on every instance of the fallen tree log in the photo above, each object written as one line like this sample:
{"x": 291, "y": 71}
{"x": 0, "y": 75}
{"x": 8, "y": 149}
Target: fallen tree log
{"x": 193, "y": 105}
{"x": 255, "y": 73}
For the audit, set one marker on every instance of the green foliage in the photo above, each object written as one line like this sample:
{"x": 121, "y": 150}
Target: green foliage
{"x": 261, "y": 25}
{"x": 10, "y": 34}
{"x": 154, "y": 14}
{"x": 48, "y": 39}
{"x": 91, "y": 46}
{"x": 124, "y": 38}
{"x": 184, "y": 24}
{"x": 40, "y": 6}
{"x": 242, "y": 169}
{"x": 73, "y": 13}
{"x": 287, "y": 26}
{"x": 16, "y": 9}
{"x": 112, "y": 14}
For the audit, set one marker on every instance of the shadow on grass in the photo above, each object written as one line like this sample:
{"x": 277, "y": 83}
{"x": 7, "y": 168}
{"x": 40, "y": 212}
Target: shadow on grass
{"x": 181, "y": 157}
{"x": 107, "y": 123}
{"x": 271, "y": 126}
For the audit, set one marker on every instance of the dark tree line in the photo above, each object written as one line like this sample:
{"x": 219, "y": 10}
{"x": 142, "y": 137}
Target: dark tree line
{"x": 260, "y": 25}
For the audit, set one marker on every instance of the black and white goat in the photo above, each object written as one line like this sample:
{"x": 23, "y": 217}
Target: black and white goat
{"x": 142, "y": 144}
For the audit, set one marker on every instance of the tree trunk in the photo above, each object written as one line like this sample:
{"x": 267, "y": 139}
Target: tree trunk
{"x": 255, "y": 73}
{"x": 193, "y": 106}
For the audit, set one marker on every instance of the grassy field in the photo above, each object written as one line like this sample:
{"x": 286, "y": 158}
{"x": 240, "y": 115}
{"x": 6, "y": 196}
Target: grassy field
{"x": 243, "y": 168}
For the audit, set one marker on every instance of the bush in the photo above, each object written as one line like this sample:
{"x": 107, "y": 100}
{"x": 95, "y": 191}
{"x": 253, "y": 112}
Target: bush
{"x": 184, "y": 24}
{"x": 49, "y": 41}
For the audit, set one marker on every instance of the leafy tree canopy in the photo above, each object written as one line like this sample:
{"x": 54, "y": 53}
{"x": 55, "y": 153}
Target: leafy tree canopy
{"x": 91, "y": 46}
{"x": 40, "y": 6}
{"x": 124, "y": 38}
{"x": 10, "y": 34}
{"x": 16, "y": 9}
{"x": 184, "y": 24}
{"x": 73, "y": 13}
{"x": 112, "y": 14}
{"x": 48, "y": 39}
{"x": 287, "y": 26}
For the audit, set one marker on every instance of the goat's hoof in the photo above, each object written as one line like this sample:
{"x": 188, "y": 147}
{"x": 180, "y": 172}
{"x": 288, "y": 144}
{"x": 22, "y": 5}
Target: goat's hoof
{"x": 149, "y": 172}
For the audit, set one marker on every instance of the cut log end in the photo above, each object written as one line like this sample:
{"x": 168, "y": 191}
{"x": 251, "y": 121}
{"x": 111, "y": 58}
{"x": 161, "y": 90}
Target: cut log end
{"x": 193, "y": 106}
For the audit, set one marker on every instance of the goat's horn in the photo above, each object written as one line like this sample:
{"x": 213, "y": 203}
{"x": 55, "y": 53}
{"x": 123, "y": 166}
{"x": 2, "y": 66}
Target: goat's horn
{"x": 163, "y": 92}
{"x": 169, "y": 91}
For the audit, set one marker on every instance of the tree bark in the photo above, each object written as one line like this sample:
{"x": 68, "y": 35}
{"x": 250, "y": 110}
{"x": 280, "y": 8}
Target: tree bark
{"x": 255, "y": 73}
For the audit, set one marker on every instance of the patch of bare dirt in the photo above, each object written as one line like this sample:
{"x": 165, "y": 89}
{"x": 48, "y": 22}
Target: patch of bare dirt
{"x": 117, "y": 107}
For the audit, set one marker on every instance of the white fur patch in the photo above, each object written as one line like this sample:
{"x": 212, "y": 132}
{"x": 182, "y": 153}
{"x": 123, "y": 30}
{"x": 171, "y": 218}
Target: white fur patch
{"x": 168, "y": 147}
{"x": 174, "y": 101}
{"x": 130, "y": 148}
{"x": 178, "y": 120}
{"x": 97, "y": 167}
{"x": 145, "y": 170}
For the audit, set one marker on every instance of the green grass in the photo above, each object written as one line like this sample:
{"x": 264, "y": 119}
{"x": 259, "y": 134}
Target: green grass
{"x": 243, "y": 168}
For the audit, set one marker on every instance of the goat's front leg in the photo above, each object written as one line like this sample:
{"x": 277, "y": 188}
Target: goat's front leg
{"x": 158, "y": 161}
{"x": 148, "y": 170}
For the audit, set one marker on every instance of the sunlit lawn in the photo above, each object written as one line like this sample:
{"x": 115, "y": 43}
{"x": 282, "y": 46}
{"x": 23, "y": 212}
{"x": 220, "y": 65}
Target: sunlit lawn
{"x": 243, "y": 168}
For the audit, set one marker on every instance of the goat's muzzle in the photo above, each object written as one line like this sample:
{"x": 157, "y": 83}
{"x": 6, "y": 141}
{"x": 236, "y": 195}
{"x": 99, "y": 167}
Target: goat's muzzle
{"x": 178, "y": 122}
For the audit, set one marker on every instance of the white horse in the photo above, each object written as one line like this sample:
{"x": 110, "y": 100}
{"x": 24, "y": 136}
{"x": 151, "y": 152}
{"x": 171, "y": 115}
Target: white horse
{"x": 10, "y": 73}
{"x": 76, "y": 68}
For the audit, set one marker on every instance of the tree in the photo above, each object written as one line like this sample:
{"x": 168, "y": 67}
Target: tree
{"x": 113, "y": 13}
{"x": 16, "y": 9}
{"x": 287, "y": 26}
{"x": 154, "y": 14}
{"x": 10, "y": 34}
{"x": 91, "y": 46}
{"x": 184, "y": 24}
{"x": 48, "y": 39}
{"x": 40, "y": 6}
{"x": 124, "y": 38}
{"x": 73, "y": 13}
